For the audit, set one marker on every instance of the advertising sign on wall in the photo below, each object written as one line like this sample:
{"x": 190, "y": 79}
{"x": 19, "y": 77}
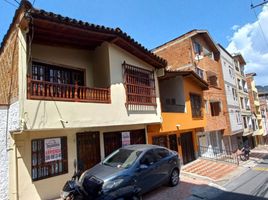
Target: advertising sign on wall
{"x": 125, "y": 138}
{"x": 52, "y": 149}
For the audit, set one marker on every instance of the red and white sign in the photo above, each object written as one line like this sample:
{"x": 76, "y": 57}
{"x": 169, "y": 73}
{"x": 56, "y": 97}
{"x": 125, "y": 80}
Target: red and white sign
{"x": 125, "y": 138}
{"x": 52, "y": 149}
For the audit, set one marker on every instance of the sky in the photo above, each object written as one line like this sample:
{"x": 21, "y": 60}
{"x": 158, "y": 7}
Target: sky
{"x": 232, "y": 23}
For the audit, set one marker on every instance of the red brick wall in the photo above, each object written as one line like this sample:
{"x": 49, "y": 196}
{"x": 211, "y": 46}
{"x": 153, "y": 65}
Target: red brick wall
{"x": 9, "y": 70}
{"x": 179, "y": 54}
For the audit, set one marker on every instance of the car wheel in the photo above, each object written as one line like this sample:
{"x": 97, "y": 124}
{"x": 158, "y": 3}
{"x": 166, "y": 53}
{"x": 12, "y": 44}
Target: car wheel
{"x": 174, "y": 177}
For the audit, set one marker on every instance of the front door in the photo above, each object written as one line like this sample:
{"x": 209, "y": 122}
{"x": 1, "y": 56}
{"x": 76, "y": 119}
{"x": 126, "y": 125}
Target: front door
{"x": 88, "y": 150}
{"x": 187, "y": 147}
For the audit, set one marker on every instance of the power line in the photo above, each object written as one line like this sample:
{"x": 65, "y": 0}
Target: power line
{"x": 11, "y": 3}
{"x": 260, "y": 4}
{"x": 253, "y": 8}
{"x": 33, "y": 2}
{"x": 17, "y": 2}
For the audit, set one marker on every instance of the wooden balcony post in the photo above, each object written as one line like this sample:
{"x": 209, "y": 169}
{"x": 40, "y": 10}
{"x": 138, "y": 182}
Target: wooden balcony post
{"x": 76, "y": 91}
{"x": 28, "y": 86}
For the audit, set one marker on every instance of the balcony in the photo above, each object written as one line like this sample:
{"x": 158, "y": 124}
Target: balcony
{"x": 44, "y": 90}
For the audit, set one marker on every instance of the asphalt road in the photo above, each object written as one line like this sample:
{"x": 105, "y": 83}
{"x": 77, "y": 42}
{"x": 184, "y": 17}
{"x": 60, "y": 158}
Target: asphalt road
{"x": 252, "y": 185}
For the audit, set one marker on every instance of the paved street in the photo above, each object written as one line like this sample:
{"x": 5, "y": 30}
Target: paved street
{"x": 247, "y": 182}
{"x": 253, "y": 184}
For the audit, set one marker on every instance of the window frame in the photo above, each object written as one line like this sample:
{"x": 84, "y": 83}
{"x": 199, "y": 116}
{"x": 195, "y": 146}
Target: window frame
{"x": 56, "y": 67}
{"x": 212, "y": 109}
{"x": 47, "y": 166}
{"x": 139, "y": 85}
{"x": 194, "y": 106}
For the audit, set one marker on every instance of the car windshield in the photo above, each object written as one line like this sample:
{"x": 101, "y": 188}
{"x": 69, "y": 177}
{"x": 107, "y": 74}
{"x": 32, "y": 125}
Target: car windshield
{"x": 122, "y": 158}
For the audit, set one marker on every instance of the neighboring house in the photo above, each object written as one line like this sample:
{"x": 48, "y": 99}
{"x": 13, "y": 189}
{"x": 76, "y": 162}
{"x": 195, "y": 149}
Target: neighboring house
{"x": 196, "y": 51}
{"x": 243, "y": 98}
{"x": 183, "y": 113}
{"x": 70, "y": 90}
{"x": 255, "y": 110}
{"x": 234, "y": 112}
{"x": 263, "y": 97}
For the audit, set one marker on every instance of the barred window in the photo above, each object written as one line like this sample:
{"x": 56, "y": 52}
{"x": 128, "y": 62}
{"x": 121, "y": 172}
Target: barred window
{"x": 49, "y": 157}
{"x": 57, "y": 74}
{"x": 196, "y": 105}
{"x": 140, "y": 85}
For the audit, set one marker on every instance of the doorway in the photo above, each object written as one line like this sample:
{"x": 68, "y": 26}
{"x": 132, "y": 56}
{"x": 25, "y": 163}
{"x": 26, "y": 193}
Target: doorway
{"x": 88, "y": 150}
{"x": 187, "y": 147}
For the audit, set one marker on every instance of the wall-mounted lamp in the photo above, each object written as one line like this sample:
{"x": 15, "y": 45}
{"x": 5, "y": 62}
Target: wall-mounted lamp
{"x": 178, "y": 126}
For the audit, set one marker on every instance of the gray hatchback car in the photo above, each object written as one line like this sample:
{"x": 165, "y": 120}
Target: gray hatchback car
{"x": 144, "y": 166}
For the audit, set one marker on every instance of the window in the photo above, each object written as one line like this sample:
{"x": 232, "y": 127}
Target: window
{"x": 140, "y": 85}
{"x": 242, "y": 103}
{"x": 245, "y": 122}
{"x": 215, "y": 108}
{"x": 161, "y": 153}
{"x": 212, "y": 81}
{"x": 197, "y": 48}
{"x": 196, "y": 105}
{"x": 49, "y": 157}
{"x": 56, "y": 74}
{"x": 234, "y": 94}
{"x": 199, "y": 72}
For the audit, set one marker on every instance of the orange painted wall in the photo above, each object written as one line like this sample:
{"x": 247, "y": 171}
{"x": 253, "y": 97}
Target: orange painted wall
{"x": 187, "y": 123}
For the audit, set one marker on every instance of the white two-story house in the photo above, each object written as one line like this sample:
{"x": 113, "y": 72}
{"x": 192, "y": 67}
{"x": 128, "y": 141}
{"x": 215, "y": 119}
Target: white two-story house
{"x": 234, "y": 111}
{"x": 70, "y": 91}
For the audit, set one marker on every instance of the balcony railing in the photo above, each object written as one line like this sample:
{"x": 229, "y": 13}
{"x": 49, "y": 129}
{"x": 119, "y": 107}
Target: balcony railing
{"x": 44, "y": 90}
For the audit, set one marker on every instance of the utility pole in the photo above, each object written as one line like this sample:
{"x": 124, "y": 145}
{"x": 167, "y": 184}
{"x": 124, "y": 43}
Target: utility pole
{"x": 260, "y": 4}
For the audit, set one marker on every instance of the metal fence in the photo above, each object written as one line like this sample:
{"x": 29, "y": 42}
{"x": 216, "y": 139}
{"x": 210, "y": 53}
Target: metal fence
{"x": 218, "y": 154}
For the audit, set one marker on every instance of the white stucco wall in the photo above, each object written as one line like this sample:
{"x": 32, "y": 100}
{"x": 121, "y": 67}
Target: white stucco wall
{"x": 39, "y": 114}
{"x": 13, "y": 124}
{"x": 3, "y": 154}
{"x": 233, "y": 104}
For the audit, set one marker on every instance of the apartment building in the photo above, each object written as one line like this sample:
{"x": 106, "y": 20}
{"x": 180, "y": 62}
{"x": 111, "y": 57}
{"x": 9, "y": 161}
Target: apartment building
{"x": 231, "y": 90}
{"x": 255, "y": 110}
{"x": 70, "y": 90}
{"x": 243, "y": 98}
{"x": 263, "y": 97}
{"x": 183, "y": 113}
{"x": 196, "y": 51}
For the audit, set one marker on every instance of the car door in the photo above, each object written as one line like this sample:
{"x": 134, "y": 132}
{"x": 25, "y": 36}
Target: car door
{"x": 163, "y": 164}
{"x": 146, "y": 172}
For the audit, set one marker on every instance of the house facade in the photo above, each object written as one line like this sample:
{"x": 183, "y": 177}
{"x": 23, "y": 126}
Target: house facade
{"x": 243, "y": 98}
{"x": 255, "y": 110}
{"x": 197, "y": 51}
{"x": 231, "y": 90}
{"x": 70, "y": 90}
{"x": 263, "y": 97}
{"x": 183, "y": 113}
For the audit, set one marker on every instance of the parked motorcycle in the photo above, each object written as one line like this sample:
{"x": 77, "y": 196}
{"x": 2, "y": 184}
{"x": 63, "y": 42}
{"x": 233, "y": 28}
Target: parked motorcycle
{"x": 245, "y": 153}
{"x": 91, "y": 189}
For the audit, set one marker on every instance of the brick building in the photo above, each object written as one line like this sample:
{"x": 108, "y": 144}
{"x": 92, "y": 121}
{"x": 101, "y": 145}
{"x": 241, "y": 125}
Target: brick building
{"x": 197, "y": 51}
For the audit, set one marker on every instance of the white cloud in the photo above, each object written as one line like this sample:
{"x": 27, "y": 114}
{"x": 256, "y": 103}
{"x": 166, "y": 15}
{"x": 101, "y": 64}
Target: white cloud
{"x": 250, "y": 42}
{"x": 235, "y": 27}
